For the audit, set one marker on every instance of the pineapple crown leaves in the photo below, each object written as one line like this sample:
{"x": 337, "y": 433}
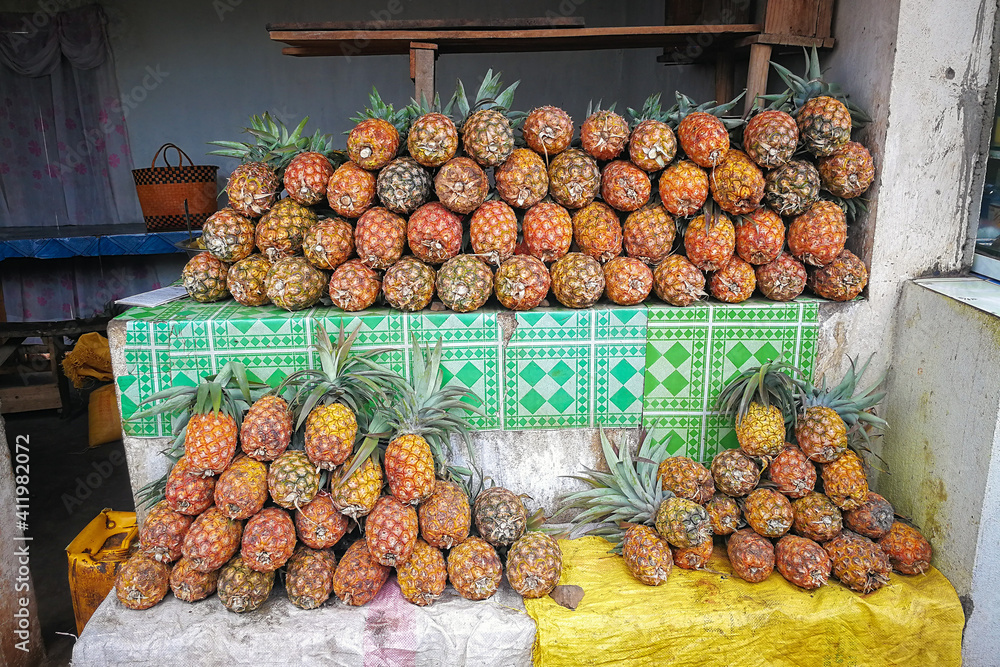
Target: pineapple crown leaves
{"x": 229, "y": 392}
{"x": 685, "y": 106}
{"x": 593, "y": 107}
{"x": 366, "y": 446}
{"x": 855, "y": 408}
{"x": 801, "y": 89}
{"x": 771, "y": 382}
{"x": 853, "y": 208}
{"x": 417, "y": 109}
{"x": 629, "y": 493}
{"x": 399, "y": 119}
{"x": 651, "y": 110}
{"x": 489, "y": 96}
{"x": 273, "y": 144}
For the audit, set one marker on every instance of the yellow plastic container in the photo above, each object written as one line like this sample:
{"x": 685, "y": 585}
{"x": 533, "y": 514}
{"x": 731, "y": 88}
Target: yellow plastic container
{"x": 94, "y": 558}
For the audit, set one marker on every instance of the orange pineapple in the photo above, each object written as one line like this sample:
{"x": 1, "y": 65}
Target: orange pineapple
{"x": 802, "y": 562}
{"x": 858, "y": 562}
{"x": 434, "y": 233}
{"x": 624, "y": 186}
{"x": 379, "y": 238}
{"x": 351, "y": 190}
{"x": 212, "y": 540}
{"x": 433, "y": 138}
{"x": 908, "y": 550}
{"x": 751, "y": 556}
{"x": 329, "y": 243}
{"x": 737, "y": 183}
{"x": 710, "y": 241}
{"x": 696, "y": 557}
{"x": 724, "y": 513}
{"x": 375, "y": 139}
{"x": 574, "y": 178}
{"x": 353, "y": 286}
{"x": 228, "y": 235}
{"x": 267, "y": 428}
{"x": 548, "y": 231}
{"x": 649, "y": 234}
{"x": 840, "y": 280}
{"x": 163, "y": 532}
{"x": 306, "y": 177}
{"x": 735, "y": 473}
{"x": 309, "y": 577}
{"x": 703, "y": 138}
{"x": 319, "y": 523}
{"x": 782, "y": 279}
{"x": 760, "y": 236}
{"x": 474, "y": 569}
{"x": 548, "y": 130}
{"x": 597, "y": 231}
{"x": 678, "y": 282}
{"x": 844, "y": 481}
{"x": 268, "y": 540}
{"x": 534, "y": 565}
{"x": 873, "y": 518}
{"x": 142, "y": 581}
{"x": 190, "y": 585}
{"x": 770, "y": 138}
{"x": 683, "y": 188}
{"x": 391, "y": 531}
{"x": 848, "y": 172}
{"x": 628, "y": 281}
{"x": 577, "y": 280}
{"x": 188, "y": 491}
{"x": 647, "y": 555}
{"x": 356, "y": 491}
{"x": 461, "y": 185}
{"x": 445, "y": 517}
{"x": 734, "y": 282}
{"x": 604, "y": 133}
{"x": 522, "y": 282}
{"x": 768, "y": 512}
{"x": 423, "y": 576}
{"x": 359, "y": 577}
{"x": 523, "y": 179}
{"x": 792, "y": 473}
{"x": 817, "y": 236}
{"x": 493, "y": 232}
{"x": 652, "y": 145}
{"x": 242, "y": 488}
{"x": 408, "y": 284}
{"x": 816, "y": 517}
{"x": 686, "y": 478}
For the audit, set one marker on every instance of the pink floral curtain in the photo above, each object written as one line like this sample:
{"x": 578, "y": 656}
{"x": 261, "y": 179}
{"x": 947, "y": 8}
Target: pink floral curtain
{"x": 64, "y": 153}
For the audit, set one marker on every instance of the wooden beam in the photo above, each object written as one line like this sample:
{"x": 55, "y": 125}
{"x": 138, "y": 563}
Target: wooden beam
{"x": 787, "y": 40}
{"x": 25, "y": 399}
{"x": 422, "y": 57}
{"x": 760, "y": 63}
{"x": 531, "y": 23}
{"x": 724, "y": 83}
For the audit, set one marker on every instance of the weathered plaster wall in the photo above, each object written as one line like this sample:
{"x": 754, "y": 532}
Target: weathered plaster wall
{"x": 944, "y": 456}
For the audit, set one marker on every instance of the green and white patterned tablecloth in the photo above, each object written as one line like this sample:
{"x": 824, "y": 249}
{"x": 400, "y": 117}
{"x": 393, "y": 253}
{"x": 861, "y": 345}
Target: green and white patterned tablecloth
{"x": 548, "y": 368}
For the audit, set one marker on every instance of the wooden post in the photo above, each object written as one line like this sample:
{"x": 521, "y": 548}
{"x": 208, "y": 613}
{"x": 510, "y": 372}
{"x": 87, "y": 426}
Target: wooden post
{"x": 760, "y": 63}
{"x": 724, "y": 77}
{"x": 422, "y": 56}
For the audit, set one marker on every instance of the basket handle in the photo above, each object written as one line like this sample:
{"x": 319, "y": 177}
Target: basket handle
{"x": 180, "y": 155}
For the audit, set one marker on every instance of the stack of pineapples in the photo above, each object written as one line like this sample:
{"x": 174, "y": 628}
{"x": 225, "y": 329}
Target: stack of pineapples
{"x": 303, "y": 484}
{"x": 654, "y": 201}
{"x": 766, "y": 499}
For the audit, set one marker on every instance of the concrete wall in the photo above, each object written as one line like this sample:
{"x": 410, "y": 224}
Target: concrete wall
{"x": 944, "y": 452}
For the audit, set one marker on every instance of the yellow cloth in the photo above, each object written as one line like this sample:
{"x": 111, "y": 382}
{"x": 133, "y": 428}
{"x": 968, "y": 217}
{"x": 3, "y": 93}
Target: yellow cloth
{"x": 700, "y": 619}
{"x": 89, "y": 358}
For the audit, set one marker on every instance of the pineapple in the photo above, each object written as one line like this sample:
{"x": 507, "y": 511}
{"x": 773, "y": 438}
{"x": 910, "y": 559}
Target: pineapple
{"x": 597, "y": 231}
{"x": 628, "y": 281}
{"x": 391, "y": 531}
{"x": 652, "y": 145}
{"x": 461, "y": 185}
{"x": 403, "y": 186}
{"x": 493, "y": 232}
{"x": 228, "y": 235}
{"x": 624, "y": 186}
{"x": 187, "y": 490}
{"x": 649, "y": 233}
{"x": 487, "y": 135}
{"x": 817, "y": 236}
{"x": 647, "y": 555}
{"x": 319, "y": 523}
{"x": 792, "y": 473}
{"x": 190, "y": 585}
{"x": 281, "y": 230}
{"x": 328, "y": 243}
{"x": 522, "y": 282}
{"x": 735, "y": 473}
{"x": 522, "y": 180}
{"x": 434, "y": 233}
{"x": 751, "y": 556}
{"x": 768, "y": 512}
{"x": 770, "y": 138}
{"x": 464, "y": 283}
{"x": 761, "y": 398}
{"x": 163, "y": 532}
{"x": 802, "y": 562}
{"x": 792, "y": 188}
{"x": 848, "y": 172}
{"x": 577, "y": 280}
{"x": 204, "y": 278}
{"x": 243, "y": 589}
{"x": 548, "y": 130}
{"x": 682, "y": 522}
{"x": 433, "y": 138}
{"x": 242, "y": 488}
{"x": 359, "y": 577}
{"x": 604, "y": 133}
{"x": 858, "y": 562}
{"x": 710, "y": 241}
{"x": 307, "y": 175}
{"x": 816, "y": 517}
{"x": 380, "y": 237}
{"x": 686, "y": 478}
{"x": 760, "y": 236}
{"x": 696, "y": 557}
{"x": 474, "y": 569}
{"x": 267, "y": 428}
{"x": 548, "y": 231}
{"x": 423, "y": 577}
{"x": 351, "y": 190}
{"x": 574, "y": 178}
{"x": 142, "y": 581}
{"x": 375, "y": 139}
{"x": 678, "y": 282}
{"x": 844, "y": 481}
{"x": 821, "y": 428}
{"x": 724, "y": 514}
{"x": 353, "y": 286}
{"x": 212, "y": 540}
{"x": 908, "y": 550}
{"x": 737, "y": 183}
{"x": 252, "y": 188}
{"x": 355, "y": 494}
{"x": 500, "y": 516}
{"x": 534, "y": 565}
{"x": 873, "y": 518}
{"x": 245, "y": 280}
{"x": 445, "y": 517}
{"x": 734, "y": 282}
{"x": 840, "y": 280}
{"x": 703, "y": 138}
{"x": 293, "y": 480}
{"x": 268, "y": 540}
{"x": 309, "y": 577}
{"x": 408, "y": 284}
{"x": 782, "y": 279}
{"x": 293, "y": 283}
{"x": 683, "y": 188}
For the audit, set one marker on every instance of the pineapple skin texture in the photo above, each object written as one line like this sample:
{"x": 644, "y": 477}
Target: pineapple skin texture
{"x": 647, "y": 555}
{"x": 761, "y": 431}
{"x": 210, "y": 442}
{"x": 330, "y": 433}
{"x": 142, "y": 581}
{"x": 409, "y": 468}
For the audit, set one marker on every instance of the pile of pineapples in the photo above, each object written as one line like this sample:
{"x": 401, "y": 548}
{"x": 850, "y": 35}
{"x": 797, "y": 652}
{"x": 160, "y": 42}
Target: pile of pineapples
{"x": 267, "y": 485}
{"x": 654, "y": 201}
{"x": 804, "y": 509}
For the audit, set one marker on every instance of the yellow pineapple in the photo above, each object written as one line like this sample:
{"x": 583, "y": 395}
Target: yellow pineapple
{"x": 761, "y": 399}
